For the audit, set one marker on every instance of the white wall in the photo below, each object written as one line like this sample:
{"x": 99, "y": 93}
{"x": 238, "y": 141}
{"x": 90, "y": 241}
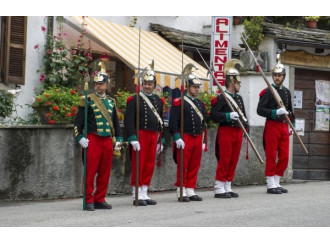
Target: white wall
{"x": 33, "y": 63}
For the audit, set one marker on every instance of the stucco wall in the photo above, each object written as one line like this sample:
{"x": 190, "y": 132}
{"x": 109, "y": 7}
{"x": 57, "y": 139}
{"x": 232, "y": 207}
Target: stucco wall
{"x": 44, "y": 162}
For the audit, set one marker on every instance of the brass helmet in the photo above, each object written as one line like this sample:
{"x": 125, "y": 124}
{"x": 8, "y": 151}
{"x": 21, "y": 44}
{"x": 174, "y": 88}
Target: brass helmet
{"x": 102, "y": 75}
{"x": 190, "y": 78}
{"x": 231, "y": 72}
{"x": 279, "y": 67}
{"x": 149, "y": 73}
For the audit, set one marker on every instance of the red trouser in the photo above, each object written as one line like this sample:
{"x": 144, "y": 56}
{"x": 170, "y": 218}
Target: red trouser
{"x": 192, "y": 156}
{"x": 147, "y": 157}
{"x": 99, "y": 160}
{"x": 276, "y": 137}
{"x": 230, "y": 142}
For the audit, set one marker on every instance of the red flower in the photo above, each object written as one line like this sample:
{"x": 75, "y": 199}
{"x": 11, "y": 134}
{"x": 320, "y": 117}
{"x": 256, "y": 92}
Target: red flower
{"x": 55, "y": 108}
{"x": 47, "y": 115}
{"x": 74, "y": 52}
{"x": 43, "y": 28}
{"x": 36, "y": 46}
{"x": 72, "y": 92}
{"x": 74, "y": 109}
{"x": 47, "y": 95}
{"x": 49, "y": 51}
{"x": 51, "y": 121}
{"x": 38, "y": 99}
{"x": 42, "y": 78}
{"x": 68, "y": 114}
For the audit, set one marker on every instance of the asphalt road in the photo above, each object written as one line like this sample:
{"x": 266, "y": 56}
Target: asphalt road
{"x": 306, "y": 205}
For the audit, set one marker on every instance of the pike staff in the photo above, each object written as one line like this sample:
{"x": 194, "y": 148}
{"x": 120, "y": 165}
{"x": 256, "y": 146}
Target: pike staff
{"x": 181, "y": 126}
{"x": 137, "y": 120}
{"x": 85, "y": 136}
{"x": 277, "y": 99}
{"x": 233, "y": 110}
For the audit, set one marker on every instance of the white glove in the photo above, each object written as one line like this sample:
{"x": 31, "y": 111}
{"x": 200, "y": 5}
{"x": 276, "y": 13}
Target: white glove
{"x": 234, "y": 115}
{"x": 136, "y": 145}
{"x": 179, "y": 144}
{"x": 159, "y": 148}
{"x": 281, "y": 111}
{"x": 117, "y": 146}
{"x": 203, "y": 146}
{"x": 84, "y": 143}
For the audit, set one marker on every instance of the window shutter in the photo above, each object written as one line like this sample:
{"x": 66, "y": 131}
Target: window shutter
{"x": 15, "y": 50}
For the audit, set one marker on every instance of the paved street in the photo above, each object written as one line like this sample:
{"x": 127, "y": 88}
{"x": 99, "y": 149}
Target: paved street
{"x": 306, "y": 204}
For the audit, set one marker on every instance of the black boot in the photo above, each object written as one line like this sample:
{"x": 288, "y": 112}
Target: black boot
{"x": 90, "y": 207}
{"x": 195, "y": 198}
{"x": 274, "y": 191}
{"x": 184, "y": 199}
{"x": 233, "y": 194}
{"x": 222, "y": 195}
{"x": 140, "y": 202}
{"x": 103, "y": 205}
{"x": 150, "y": 202}
{"x": 283, "y": 190}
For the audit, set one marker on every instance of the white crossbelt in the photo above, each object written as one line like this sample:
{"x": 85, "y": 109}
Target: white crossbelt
{"x": 236, "y": 106}
{"x": 194, "y": 107}
{"x": 145, "y": 98}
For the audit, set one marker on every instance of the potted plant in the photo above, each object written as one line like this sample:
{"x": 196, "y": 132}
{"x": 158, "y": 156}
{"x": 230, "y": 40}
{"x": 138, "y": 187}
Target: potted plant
{"x": 6, "y": 104}
{"x": 311, "y": 21}
{"x": 121, "y": 99}
{"x": 57, "y": 105}
{"x": 253, "y": 31}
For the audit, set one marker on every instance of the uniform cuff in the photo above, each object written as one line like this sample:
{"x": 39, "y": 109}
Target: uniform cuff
{"x": 132, "y": 138}
{"x": 79, "y": 137}
{"x": 163, "y": 141}
{"x": 228, "y": 119}
{"x": 176, "y": 137}
{"x": 119, "y": 139}
{"x": 274, "y": 114}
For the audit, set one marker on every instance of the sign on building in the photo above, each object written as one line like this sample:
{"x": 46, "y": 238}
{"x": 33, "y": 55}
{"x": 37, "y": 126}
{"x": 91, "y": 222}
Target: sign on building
{"x": 220, "y": 47}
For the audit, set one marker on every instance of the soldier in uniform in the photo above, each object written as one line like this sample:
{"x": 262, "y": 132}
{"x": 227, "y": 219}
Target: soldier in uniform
{"x": 276, "y": 132}
{"x": 150, "y": 141}
{"x": 193, "y": 141}
{"x": 103, "y": 132}
{"x": 230, "y": 135}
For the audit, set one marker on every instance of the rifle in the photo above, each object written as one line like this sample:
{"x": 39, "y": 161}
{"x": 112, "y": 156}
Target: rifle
{"x": 137, "y": 122}
{"x": 232, "y": 109}
{"x": 279, "y": 102}
{"x": 85, "y": 135}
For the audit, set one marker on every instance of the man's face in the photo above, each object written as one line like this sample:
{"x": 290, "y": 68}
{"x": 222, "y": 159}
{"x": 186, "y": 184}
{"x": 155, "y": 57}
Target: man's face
{"x": 237, "y": 86}
{"x": 148, "y": 87}
{"x": 193, "y": 91}
{"x": 100, "y": 88}
{"x": 278, "y": 79}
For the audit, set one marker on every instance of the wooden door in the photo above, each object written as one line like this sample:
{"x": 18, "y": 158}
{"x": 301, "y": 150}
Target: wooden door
{"x": 315, "y": 165}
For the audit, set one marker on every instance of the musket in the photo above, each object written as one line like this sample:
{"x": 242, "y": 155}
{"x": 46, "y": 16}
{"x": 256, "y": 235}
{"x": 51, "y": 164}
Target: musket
{"x": 279, "y": 102}
{"x": 137, "y": 122}
{"x": 85, "y": 136}
{"x": 232, "y": 109}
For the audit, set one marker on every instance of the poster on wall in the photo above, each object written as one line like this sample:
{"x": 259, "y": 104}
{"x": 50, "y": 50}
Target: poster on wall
{"x": 322, "y": 117}
{"x": 322, "y": 92}
{"x": 300, "y": 126}
{"x": 298, "y": 95}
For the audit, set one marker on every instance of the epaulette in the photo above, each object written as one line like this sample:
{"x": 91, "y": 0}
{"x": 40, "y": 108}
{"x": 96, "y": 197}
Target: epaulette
{"x": 262, "y": 93}
{"x": 176, "y": 102}
{"x": 82, "y": 101}
{"x": 213, "y": 101}
{"x": 112, "y": 99}
{"x": 129, "y": 99}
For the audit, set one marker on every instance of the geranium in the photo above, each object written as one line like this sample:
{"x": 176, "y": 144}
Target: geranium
{"x": 58, "y": 104}
{"x": 64, "y": 66}
{"x": 206, "y": 98}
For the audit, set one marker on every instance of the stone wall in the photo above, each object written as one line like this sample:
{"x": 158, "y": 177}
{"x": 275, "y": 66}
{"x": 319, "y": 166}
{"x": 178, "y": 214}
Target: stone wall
{"x": 44, "y": 162}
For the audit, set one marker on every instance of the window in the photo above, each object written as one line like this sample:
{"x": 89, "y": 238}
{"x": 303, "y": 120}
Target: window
{"x": 13, "y": 49}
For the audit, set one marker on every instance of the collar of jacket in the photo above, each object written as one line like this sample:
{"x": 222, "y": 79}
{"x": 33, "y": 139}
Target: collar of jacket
{"x": 233, "y": 95}
{"x": 277, "y": 87}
